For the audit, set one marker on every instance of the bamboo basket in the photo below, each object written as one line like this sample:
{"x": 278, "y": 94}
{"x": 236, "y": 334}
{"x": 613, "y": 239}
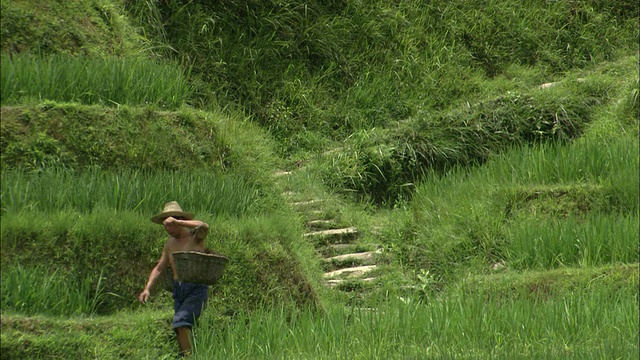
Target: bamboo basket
{"x": 199, "y": 267}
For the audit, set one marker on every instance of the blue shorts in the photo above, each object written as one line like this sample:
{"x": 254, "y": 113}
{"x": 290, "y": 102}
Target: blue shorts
{"x": 189, "y": 301}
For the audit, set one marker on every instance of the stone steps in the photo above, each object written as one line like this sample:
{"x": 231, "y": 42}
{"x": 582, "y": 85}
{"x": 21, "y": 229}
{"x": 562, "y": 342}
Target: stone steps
{"x": 306, "y": 203}
{"x": 333, "y": 232}
{"x": 347, "y": 265}
{"x": 330, "y": 250}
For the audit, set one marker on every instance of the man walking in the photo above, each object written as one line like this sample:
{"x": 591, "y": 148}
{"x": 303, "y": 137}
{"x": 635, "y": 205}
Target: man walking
{"x": 185, "y": 234}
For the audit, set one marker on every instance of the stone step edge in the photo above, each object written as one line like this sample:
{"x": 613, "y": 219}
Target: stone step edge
{"x": 365, "y": 255}
{"x": 320, "y": 223}
{"x": 308, "y": 202}
{"x": 343, "y": 231}
{"x": 336, "y": 282}
{"x": 351, "y": 272}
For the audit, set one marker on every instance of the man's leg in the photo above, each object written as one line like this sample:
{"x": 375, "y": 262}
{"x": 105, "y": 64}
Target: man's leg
{"x": 189, "y": 303}
{"x": 184, "y": 340}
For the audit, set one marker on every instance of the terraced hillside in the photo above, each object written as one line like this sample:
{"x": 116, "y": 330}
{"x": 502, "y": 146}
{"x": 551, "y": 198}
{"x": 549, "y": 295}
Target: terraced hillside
{"x": 415, "y": 179}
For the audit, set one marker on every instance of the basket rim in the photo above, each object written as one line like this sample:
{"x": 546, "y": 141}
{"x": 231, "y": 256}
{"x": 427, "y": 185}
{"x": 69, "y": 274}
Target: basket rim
{"x": 202, "y": 254}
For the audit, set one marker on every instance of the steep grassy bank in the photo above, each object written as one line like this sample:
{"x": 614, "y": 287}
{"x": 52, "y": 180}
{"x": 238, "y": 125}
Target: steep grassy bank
{"x": 382, "y": 164}
{"x": 54, "y": 134}
{"x": 125, "y": 335}
{"x": 93, "y": 28}
{"x": 543, "y": 207}
{"x": 314, "y": 72}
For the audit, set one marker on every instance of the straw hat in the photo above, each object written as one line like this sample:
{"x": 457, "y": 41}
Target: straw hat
{"x": 171, "y": 208}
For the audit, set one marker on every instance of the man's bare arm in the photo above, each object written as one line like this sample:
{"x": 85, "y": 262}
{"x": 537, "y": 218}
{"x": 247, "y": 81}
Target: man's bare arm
{"x": 191, "y": 224}
{"x": 153, "y": 277}
{"x": 200, "y": 229}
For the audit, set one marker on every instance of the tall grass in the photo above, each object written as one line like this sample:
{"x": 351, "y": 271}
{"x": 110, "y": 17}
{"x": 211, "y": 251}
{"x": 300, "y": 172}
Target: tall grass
{"x": 586, "y": 324}
{"x": 594, "y": 241}
{"x": 109, "y": 81}
{"x": 37, "y": 290}
{"x": 538, "y": 206}
{"x": 131, "y": 190}
{"x": 585, "y": 160}
{"x": 613, "y": 164}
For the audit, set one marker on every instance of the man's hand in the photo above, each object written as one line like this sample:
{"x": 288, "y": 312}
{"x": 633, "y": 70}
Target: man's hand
{"x": 170, "y": 221}
{"x": 144, "y": 296}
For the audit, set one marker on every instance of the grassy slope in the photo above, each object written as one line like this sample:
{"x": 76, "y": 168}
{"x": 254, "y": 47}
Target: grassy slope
{"x": 144, "y": 334}
{"x": 129, "y": 335}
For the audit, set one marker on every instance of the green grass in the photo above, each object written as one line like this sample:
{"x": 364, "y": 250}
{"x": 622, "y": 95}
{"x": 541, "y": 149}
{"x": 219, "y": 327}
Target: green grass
{"x": 498, "y": 316}
{"x": 381, "y": 164}
{"x": 110, "y": 81}
{"x": 38, "y": 290}
{"x": 207, "y": 193}
{"x": 508, "y": 283}
{"x": 549, "y": 204}
{"x": 596, "y": 240}
{"x": 143, "y": 334}
{"x": 584, "y": 324}
{"x": 336, "y": 69}
{"x": 87, "y": 28}
{"x": 269, "y": 264}
{"x": 53, "y": 135}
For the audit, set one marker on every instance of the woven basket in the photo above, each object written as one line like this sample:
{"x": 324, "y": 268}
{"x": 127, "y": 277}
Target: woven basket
{"x": 199, "y": 267}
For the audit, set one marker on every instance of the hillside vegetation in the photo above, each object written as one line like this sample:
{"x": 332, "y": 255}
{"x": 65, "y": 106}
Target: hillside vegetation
{"x": 485, "y": 151}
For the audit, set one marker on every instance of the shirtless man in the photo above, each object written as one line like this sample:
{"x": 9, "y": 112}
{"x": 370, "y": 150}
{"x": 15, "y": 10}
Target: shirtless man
{"x": 185, "y": 234}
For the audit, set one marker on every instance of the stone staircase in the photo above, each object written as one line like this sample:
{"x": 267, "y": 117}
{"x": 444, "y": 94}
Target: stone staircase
{"x": 348, "y": 266}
